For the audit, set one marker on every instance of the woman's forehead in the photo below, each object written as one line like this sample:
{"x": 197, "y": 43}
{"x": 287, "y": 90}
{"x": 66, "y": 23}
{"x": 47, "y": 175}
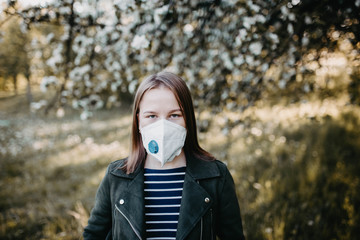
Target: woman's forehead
{"x": 158, "y": 98}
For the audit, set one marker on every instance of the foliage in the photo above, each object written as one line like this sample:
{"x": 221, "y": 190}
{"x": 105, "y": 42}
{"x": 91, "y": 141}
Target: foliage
{"x": 302, "y": 181}
{"x": 14, "y": 58}
{"x": 226, "y": 50}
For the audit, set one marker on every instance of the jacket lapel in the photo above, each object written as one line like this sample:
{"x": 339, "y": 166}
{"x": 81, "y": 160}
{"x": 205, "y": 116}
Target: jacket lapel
{"x": 195, "y": 199}
{"x": 130, "y": 200}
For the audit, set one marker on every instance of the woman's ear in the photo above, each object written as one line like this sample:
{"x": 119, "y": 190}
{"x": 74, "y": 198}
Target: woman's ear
{"x": 138, "y": 123}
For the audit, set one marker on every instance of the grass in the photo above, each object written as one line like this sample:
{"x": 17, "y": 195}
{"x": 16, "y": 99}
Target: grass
{"x": 51, "y": 168}
{"x": 294, "y": 165}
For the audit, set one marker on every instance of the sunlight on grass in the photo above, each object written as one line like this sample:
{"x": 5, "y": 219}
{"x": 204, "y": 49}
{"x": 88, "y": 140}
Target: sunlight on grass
{"x": 63, "y": 162}
{"x": 276, "y": 153}
{"x": 278, "y": 158}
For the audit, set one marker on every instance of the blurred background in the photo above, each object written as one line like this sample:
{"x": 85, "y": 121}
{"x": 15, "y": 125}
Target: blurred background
{"x": 276, "y": 88}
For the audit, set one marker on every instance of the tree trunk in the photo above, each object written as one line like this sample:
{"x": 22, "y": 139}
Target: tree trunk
{"x": 68, "y": 47}
{"x": 15, "y": 84}
{"x": 29, "y": 96}
{"x": 3, "y": 83}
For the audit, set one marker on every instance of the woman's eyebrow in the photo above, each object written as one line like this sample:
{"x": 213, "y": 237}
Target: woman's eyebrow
{"x": 150, "y": 111}
{"x": 153, "y": 112}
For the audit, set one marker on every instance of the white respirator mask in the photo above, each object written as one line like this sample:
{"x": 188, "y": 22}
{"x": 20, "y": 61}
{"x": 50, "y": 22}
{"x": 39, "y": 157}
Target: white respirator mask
{"x": 163, "y": 140}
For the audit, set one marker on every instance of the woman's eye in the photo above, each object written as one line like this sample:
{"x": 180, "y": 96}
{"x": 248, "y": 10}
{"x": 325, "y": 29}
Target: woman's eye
{"x": 151, "y": 116}
{"x": 175, "y": 115}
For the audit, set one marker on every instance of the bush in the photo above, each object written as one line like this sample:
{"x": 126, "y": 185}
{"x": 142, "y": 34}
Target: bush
{"x": 306, "y": 188}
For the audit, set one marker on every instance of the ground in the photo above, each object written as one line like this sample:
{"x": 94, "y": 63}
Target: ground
{"x": 281, "y": 156}
{"x": 51, "y": 167}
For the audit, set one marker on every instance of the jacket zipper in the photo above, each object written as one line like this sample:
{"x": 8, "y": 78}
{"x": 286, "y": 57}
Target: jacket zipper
{"x": 201, "y": 220}
{"x": 137, "y": 234}
{"x": 201, "y": 228}
{"x": 211, "y": 223}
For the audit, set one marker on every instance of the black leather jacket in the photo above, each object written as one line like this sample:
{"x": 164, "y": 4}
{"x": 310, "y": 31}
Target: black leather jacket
{"x": 209, "y": 206}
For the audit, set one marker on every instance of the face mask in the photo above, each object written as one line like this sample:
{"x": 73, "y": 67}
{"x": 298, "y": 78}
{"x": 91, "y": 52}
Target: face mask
{"x": 163, "y": 140}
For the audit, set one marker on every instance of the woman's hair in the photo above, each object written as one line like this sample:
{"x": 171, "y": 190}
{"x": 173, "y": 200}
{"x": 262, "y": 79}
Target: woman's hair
{"x": 182, "y": 94}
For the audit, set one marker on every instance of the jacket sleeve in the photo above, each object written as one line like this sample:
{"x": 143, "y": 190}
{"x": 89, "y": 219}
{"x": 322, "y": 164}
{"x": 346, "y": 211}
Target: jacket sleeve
{"x": 100, "y": 221}
{"x": 229, "y": 221}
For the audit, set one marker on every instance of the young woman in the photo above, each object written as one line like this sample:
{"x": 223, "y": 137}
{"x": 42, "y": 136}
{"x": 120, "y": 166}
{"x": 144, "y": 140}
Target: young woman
{"x": 168, "y": 187}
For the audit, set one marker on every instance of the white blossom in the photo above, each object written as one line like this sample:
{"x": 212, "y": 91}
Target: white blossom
{"x": 306, "y": 88}
{"x": 290, "y": 29}
{"x": 274, "y": 37}
{"x": 260, "y": 18}
{"x": 86, "y": 115}
{"x": 159, "y": 12}
{"x": 239, "y": 60}
{"x": 253, "y": 7}
{"x": 284, "y": 11}
{"x": 292, "y": 17}
{"x": 242, "y": 34}
{"x": 84, "y": 9}
{"x": 249, "y": 60}
{"x": 114, "y": 86}
{"x": 47, "y": 81}
{"x": 56, "y": 58}
{"x": 75, "y": 104}
{"x": 116, "y": 66}
{"x": 238, "y": 42}
{"x": 33, "y": 3}
{"x": 95, "y": 101}
{"x": 112, "y": 99}
{"x": 357, "y": 3}
{"x": 264, "y": 67}
{"x": 282, "y": 83}
{"x": 124, "y": 4}
{"x": 305, "y": 41}
{"x": 308, "y": 19}
{"x": 79, "y": 72}
{"x": 188, "y": 29}
{"x": 226, "y": 60}
{"x": 34, "y": 106}
{"x": 255, "y": 48}
{"x": 149, "y": 5}
{"x": 132, "y": 86}
{"x": 140, "y": 42}
{"x": 49, "y": 37}
{"x": 295, "y": 2}
{"x": 248, "y": 22}
{"x": 65, "y": 10}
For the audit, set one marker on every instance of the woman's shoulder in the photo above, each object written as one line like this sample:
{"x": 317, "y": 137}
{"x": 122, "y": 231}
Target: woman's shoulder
{"x": 202, "y": 169}
{"x": 117, "y": 164}
{"x": 117, "y": 167}
{"x": 220, "y": 163}
{"x": 222, "y": 166}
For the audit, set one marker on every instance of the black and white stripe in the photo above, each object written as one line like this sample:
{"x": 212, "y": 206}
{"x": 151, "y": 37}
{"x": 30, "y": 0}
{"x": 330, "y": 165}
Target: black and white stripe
{"x": 163, "y": 192}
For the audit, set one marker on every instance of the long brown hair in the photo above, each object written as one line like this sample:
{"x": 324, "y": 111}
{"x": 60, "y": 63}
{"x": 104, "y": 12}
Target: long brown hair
{"x": 182, "y": 94}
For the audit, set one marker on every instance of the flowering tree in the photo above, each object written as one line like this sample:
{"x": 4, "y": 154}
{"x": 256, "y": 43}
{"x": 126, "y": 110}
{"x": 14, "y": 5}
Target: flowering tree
{"x": 228, "y": 51}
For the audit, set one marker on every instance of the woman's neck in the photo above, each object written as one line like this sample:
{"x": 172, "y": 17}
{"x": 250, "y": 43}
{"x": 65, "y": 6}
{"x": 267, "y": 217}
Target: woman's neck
{"x": 179, "y": 161}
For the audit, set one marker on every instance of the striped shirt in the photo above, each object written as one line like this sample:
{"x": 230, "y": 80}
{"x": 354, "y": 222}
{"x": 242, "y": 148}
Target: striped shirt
{"x": 162, "y": 191}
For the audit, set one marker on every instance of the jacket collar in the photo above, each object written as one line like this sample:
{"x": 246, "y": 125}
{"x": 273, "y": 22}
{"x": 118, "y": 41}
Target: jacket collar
{"x": 117, "y": 170}
{"x": 197, "y": 168}
{"x": 193, "y": 206}
{"x": 200, "y": 169}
